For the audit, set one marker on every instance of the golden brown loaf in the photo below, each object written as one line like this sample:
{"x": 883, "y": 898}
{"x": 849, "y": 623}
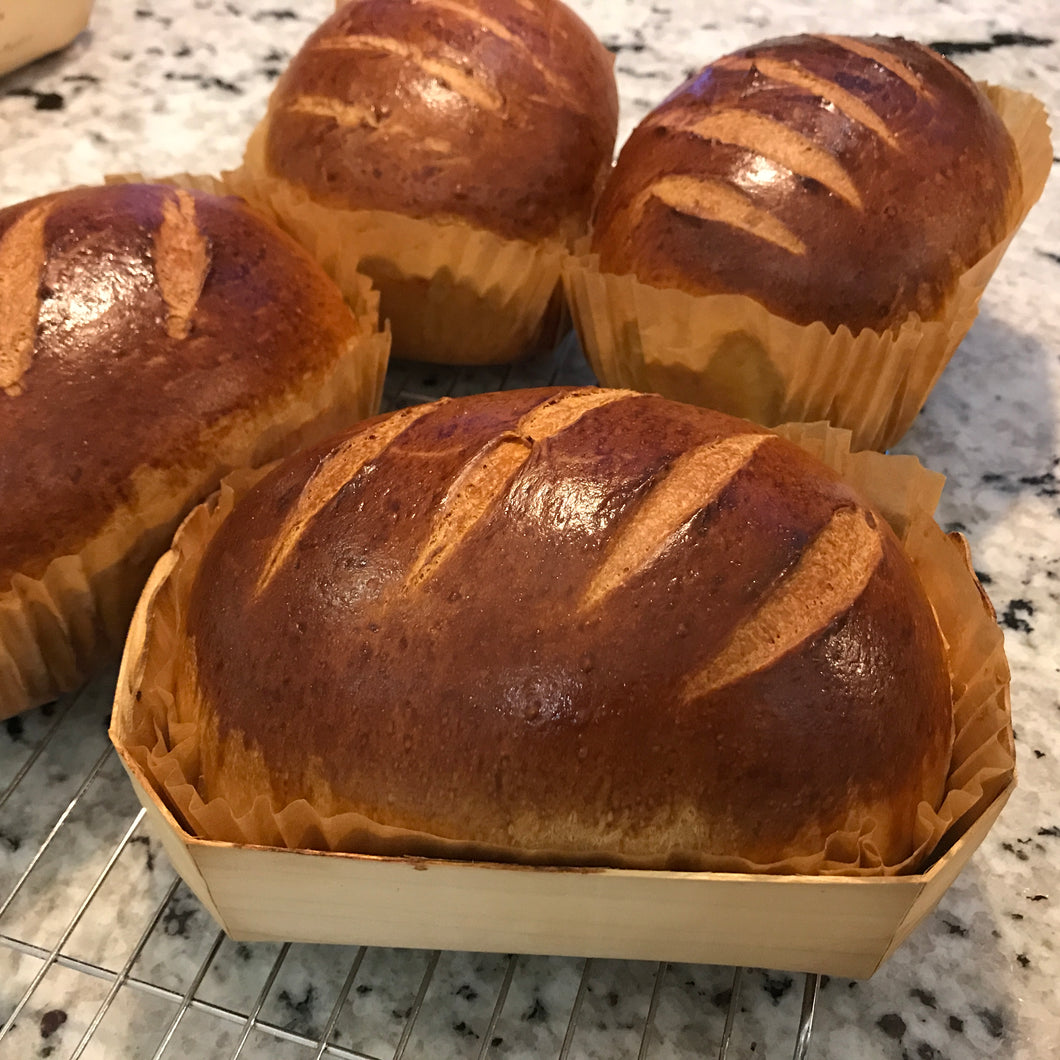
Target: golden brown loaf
{"x": 151, "y": 339}
{"x": 578, "y": 625}
{"x": 843, "y": 179}
{"x": 498, "y": 113}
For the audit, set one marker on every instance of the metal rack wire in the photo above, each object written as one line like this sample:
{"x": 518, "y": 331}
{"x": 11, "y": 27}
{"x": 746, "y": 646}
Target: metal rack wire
{"x": 60, "y": 782}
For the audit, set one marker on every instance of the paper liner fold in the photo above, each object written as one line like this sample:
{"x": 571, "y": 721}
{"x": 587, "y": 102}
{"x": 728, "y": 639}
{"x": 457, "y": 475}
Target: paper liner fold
{"x": 157, "y": 734}
{"x": 730, "y": 353}
{"x": 56, "y": 629}
{"x": 452, "y": 293}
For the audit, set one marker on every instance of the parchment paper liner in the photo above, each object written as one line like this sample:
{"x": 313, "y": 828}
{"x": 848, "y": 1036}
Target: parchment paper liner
{"x": 730, "y": 353}
{"x": 160, "y": 734}
{"x": 56, "y": 629}
{"x": 453, "y": 294}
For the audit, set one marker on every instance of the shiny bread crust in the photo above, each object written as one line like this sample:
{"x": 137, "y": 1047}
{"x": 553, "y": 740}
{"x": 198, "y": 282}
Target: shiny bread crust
{"x": 849, "y": 180}
{"x": 497, "y": 113}
{"x": 599, "y": 624}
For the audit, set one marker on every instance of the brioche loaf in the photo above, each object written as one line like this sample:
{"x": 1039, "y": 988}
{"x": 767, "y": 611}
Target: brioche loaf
{"x": 847, "y": 180}
{"x": 494, "y": 112}
{"x": 151, "y": 339}
{"x": 574, "y": 626}
{"x": 496, "y": 115}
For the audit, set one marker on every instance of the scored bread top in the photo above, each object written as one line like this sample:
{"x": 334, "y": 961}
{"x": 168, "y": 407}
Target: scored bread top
{"x": 499, "y": 113}
{"x": 842, "y": 179}
{"x": 133, "y": 319}
{"x": 584, "y": 621}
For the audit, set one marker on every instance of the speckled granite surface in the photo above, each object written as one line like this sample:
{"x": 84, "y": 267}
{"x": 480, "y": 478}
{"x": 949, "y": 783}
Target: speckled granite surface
{"x": 166, "y": 85}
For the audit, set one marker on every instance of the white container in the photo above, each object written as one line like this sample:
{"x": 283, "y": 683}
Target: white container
{"x": 32, "y": 28}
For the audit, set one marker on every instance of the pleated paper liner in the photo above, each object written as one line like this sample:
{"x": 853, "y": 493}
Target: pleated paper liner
{"x": 730, "y": 353}
{"x": 453, "y": 294}
{"x": 156, "y": 728}
{"x": 60, "y": 624}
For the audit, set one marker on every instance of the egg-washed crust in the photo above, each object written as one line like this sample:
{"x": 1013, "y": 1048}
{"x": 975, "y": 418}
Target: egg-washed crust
{"x": 499, "y": 113}
{"x": 847, "y": 180}
{"x": 136, "y": 320}
{"x": 585, "y": 621}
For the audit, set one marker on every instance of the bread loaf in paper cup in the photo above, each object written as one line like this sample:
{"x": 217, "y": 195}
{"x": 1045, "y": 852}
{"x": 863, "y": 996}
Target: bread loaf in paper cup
{"x": 572, "y": 627}
{"x": 152, "y": 339}
{"x": 803, "y": 231}
{"x": 451, "y": 151}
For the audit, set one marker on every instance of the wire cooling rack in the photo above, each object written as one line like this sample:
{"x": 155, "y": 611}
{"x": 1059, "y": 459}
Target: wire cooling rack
{"x": 105, "y": 953}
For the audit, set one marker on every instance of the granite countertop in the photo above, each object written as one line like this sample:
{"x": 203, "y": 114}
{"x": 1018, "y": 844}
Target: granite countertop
{"x": 163, "y": 86}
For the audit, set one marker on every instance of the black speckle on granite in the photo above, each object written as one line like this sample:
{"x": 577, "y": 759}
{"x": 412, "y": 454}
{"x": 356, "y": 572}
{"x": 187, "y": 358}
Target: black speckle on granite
{"x": 612, "y": 998}
{"x": 12, "y": 842}
{"x": 925, "y": 997}
{"x": 300, "y": 1009}
{"x": 51, "y": 1021}
{"x": 892, "y": 1025}
{"x": 1053, "y": 831}
{"x": 722, "y": 999}
{"x": 1038, "y": 754}
{"x": 206, "y": 82}
{"x": 175, "y": 919}
{"x": 1038, "y": 898}
{"x": 1023, "y": 960}
{"x": 464, "y": 1029}
{"x": 243, "y": 951}
{"x": 618, "y": 46}
{"x": 992, "y": 1021}
{"x": 776, "y": 986}
{"x": 401, "y": 1013}
{"x": 14, "y": 727}
{"x": 956, "y": 1024}
{"x": 363, "y": 988}
{"x": 496, "y": 1043}
{"x": 953, "y": 928}
{"x": 467, "y": 992}
{"x": 281, "y": 15}
{"x": 1021, "y": 854}
{"x": 85, "y": 79}
{"x": 926, "y": 1051}
{"x": 1048, "y": 253}
{"x": 163, "y": 20}
{"x": 182, "y": 52}
{"x": 997, "y": 40}
{"x": 984, "y": 578}
{"x": 536, "y": 1013}
{"x": 1016, "y": 614}
{"x": 956, "y": 528}
{"x": 149, "y": 854}
{"x": 41, "y": 100}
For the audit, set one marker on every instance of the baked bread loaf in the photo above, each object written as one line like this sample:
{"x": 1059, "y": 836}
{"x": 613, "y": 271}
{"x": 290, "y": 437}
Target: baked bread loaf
{"x": 849, "y": 180}
{"x": 151, "y": 339}
{"x": 575, "y": 626}
{"x": 493, "y": 114}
